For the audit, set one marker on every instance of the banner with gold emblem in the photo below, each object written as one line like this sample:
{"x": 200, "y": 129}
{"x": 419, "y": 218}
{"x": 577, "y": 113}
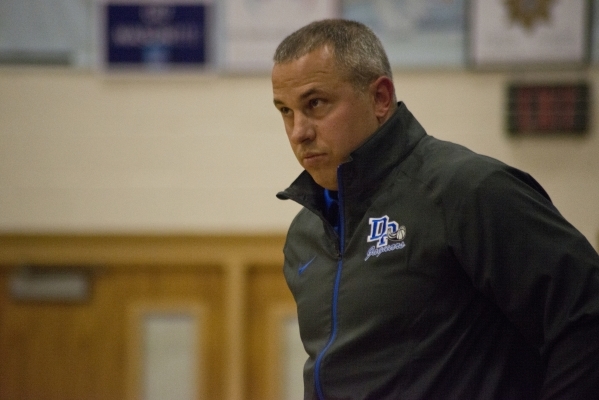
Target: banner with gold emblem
{"x": 528, "y": 33}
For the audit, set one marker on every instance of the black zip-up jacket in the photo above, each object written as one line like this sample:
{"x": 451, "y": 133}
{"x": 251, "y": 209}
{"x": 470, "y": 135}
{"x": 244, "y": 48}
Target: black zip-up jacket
{"x": 452, "y": 277}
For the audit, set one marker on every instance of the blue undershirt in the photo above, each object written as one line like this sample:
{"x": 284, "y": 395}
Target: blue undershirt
{"x": 331, "y": 199}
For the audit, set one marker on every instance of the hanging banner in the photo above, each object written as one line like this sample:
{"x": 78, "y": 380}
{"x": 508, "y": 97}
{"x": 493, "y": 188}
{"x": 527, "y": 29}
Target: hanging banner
{"x": 253, "y": 29}
{"x": 524, "y": 33}
{"x": 157, "y": 35}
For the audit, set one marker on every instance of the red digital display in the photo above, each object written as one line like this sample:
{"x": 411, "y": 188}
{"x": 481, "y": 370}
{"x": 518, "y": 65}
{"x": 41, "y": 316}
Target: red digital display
{"x": 548, "y": 108}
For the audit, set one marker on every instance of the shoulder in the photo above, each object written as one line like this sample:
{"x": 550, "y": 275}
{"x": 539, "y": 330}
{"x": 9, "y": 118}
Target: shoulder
{"x": 454, "y": 171}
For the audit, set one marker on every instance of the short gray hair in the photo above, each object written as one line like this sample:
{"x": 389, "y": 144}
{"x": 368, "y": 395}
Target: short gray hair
{"x": 358, "y": 52}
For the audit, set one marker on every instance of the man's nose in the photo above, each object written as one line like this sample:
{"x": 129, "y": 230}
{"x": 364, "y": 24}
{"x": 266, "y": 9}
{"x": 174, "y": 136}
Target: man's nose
{"x": 302, "y": 129}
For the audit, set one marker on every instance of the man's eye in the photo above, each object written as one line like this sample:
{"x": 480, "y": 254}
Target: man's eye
{"x": 314, "y": 103}
{"x": 284, "y": 110}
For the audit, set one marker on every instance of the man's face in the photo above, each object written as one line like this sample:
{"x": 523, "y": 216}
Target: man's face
{"x": 325, "y": 117}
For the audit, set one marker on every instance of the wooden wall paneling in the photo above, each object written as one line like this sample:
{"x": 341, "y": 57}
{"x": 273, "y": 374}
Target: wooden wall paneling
{"x": 236, "y": 328}
{"x": 114, "y": 291}
{"x": 14, "y": 331}
{"x": 52, "y": 350}
{"x": 267, "y": 293}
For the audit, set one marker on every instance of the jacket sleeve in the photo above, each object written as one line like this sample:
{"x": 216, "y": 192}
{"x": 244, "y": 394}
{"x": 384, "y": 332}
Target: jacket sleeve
{"x": 537, "y": 268}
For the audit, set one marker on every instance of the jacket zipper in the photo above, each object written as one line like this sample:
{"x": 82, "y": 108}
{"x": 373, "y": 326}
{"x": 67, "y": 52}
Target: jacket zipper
{"x": 317, "y": 367}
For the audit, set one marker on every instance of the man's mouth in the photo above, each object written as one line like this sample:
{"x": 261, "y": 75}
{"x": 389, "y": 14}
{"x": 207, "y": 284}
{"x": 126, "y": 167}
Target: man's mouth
{"x": 312, "y": 158}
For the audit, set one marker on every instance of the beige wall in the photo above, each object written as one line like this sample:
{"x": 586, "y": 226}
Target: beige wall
{"x": 82, "y": 151}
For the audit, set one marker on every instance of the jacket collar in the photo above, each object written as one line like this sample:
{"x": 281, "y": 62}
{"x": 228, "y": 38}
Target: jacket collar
{"x": 368, "y": 165}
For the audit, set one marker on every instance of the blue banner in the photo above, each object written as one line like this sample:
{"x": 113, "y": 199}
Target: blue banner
{"x": 159, "y": 36}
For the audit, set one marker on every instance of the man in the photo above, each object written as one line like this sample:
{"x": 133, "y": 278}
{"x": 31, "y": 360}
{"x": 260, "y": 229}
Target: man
{"x": 420, "y": 269}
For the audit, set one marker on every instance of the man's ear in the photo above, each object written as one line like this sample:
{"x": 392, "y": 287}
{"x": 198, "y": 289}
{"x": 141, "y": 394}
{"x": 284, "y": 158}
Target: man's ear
{"x": 384, "y": 97}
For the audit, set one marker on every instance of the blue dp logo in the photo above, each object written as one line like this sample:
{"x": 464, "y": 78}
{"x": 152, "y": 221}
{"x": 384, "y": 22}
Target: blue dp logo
{"x": 382, "y": 230}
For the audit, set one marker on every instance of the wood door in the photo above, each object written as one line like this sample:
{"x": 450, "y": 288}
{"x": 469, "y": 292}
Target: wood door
{"x": 58, "y": 350}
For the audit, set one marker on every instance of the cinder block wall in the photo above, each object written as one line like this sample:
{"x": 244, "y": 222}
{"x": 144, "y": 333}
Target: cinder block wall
{"x": 82, "y": 151}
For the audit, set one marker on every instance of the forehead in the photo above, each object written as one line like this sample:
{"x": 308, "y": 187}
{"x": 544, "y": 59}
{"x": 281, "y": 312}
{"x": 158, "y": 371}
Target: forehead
{"x": 313, "y": 71}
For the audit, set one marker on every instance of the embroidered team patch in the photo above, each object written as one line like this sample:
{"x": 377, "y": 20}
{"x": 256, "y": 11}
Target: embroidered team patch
{"x": 387, "y": 234}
